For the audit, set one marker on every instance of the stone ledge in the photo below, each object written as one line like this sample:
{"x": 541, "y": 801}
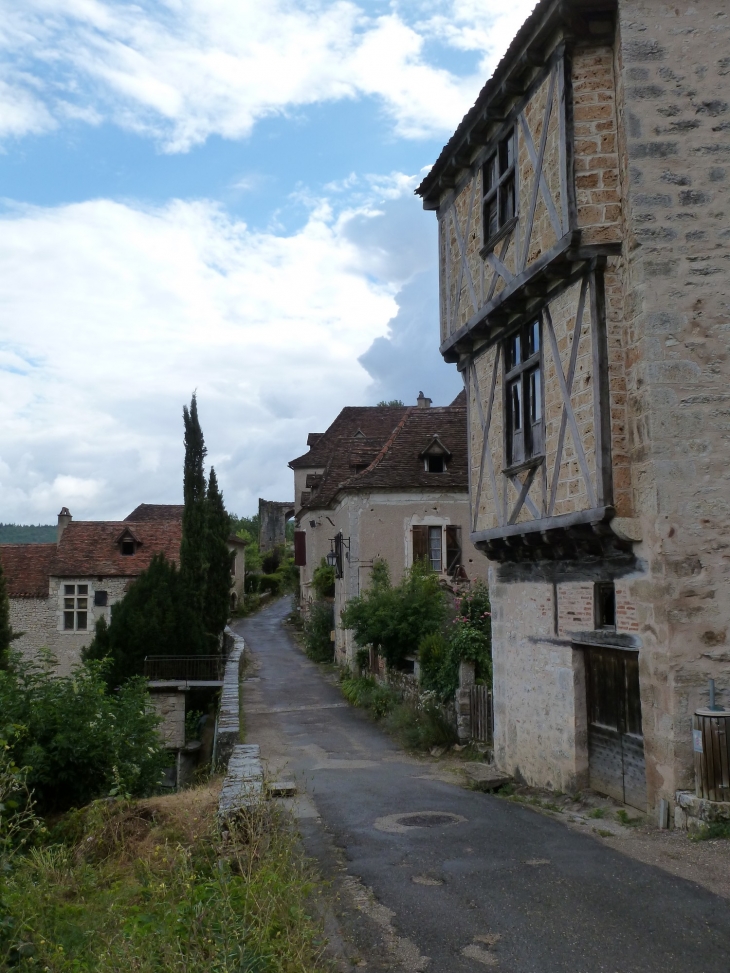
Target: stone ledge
{"x": 691, "y": 813}
{"x": 243, "y": 785}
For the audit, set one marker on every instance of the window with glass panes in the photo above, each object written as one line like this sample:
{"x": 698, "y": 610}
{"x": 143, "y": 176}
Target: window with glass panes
{"x": 523, "y": 394}
{"x": 75, "y": 607}
{"x": 499, "y": 199}
{"x": 434, "y": 548}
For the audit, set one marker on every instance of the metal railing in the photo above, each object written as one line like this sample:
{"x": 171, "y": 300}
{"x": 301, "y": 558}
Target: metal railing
{"x": 186, "y": 668}
{"x": 482, "y": 714}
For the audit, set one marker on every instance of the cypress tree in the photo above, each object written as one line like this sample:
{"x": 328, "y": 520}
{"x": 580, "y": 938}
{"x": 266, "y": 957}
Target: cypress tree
{"x": 217, "y": 591}
{"x": 7, "y": 635}
{"x": 193, "y": 544}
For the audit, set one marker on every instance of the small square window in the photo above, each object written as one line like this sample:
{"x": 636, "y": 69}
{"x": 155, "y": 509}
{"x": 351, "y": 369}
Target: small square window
{"x": 435, "y": 464}
{"x": 83, "y": 589}
{"x": 127, "y": 547}
{"x": 69, "y": 589}
{"x": 100, "y": 599}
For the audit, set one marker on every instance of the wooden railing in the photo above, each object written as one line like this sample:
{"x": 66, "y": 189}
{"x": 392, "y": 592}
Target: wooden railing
{"x": 482, "y": 714}
{"x": 186, "y": 668}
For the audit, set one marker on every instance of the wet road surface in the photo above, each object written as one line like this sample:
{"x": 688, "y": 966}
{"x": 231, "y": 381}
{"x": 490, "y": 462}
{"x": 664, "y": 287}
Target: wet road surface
{"x": 478, "y": 881}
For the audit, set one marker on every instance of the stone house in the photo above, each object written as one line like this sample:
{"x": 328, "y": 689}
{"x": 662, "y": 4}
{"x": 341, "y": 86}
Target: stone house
{"x": 58, "y": 591}
{"x": 384, "y": 483}
{"x": 583, "y": 250}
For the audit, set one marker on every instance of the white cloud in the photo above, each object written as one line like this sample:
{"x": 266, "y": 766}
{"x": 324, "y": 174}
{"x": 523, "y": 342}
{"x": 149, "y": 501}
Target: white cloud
{"x": 21, "y": 112}
{"x": 185, "y": 69}
{"x": 113, "y": 314}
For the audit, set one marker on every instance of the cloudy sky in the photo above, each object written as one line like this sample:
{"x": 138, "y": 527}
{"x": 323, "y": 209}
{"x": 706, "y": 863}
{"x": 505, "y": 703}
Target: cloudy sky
{"x": 216, "y": 195}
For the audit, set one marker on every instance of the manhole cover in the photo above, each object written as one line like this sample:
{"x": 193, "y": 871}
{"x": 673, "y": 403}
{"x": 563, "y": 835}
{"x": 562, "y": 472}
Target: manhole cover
{"x": 401, "y": 823}
{"x": 426, "y": 820}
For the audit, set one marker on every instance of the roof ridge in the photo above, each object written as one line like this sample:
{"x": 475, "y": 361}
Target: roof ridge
{"x": 387, "y": 445}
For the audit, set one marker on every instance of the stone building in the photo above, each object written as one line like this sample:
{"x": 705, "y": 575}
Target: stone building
{"x": 384, "y": 483}
{"x": 584, "y": 247}
{"x": 58, "y": 591}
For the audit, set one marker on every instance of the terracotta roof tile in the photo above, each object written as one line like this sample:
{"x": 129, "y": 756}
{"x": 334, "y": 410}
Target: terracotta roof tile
{"x": 157, "y": 511}
{"x": 90, "y": 547}
{"x": 27, "y": 568}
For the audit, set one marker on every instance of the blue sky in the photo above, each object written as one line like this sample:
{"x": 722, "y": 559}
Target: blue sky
{"x": 216, "y": 194}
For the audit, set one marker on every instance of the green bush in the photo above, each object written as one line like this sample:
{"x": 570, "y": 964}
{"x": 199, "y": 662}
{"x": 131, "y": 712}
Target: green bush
{"x": 270, "y": 582}
{"x": 394, "y": 619}
{"x": 323, "y": 580}
{"x": 80, "y": 741}
{"x": 154, "y": 618}
{"x": 468, "y": 638}
{"x": 364, "y": 691}
{"x": 318, "y": 625}
{"x": 421, "y": 725}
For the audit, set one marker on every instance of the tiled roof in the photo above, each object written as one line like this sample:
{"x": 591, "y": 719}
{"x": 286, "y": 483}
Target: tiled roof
{"x": 156, "y": 511}
{"x": 376, "y": 423}
{"x": 26, "y": 568}
{"x": 392, "y": 458}
{"x": 90, "y": 547}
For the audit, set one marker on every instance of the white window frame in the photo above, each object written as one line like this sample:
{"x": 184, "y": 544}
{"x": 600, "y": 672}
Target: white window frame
{"x": 75, "y": 602}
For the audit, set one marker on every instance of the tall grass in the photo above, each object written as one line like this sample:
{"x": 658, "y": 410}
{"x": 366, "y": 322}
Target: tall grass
{"x": 155, "y": 885}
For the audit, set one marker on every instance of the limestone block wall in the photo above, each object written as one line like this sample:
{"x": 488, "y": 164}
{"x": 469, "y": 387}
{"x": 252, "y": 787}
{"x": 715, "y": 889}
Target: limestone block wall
{"x": 169, "y": 705}
{"x": 673, "y": 74}
{"x": 41, "y": 620}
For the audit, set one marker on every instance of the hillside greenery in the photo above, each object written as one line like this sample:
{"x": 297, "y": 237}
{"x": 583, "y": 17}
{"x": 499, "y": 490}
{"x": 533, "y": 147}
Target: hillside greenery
{"x": 27, "y": 533}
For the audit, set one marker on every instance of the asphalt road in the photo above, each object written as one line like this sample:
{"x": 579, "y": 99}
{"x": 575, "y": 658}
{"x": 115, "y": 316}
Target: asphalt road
{"x": 497, "y": 885}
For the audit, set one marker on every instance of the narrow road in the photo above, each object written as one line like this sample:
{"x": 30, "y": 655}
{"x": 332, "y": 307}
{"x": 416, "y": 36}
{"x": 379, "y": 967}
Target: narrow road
{"x": 479, "y": 881}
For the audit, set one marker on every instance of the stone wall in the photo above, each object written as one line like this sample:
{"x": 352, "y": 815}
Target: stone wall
{"x": 169, "y": 705}
{"x": 272, "y": 523}
{"x": 41, "y": 620}
{"x": 673, "y": 71}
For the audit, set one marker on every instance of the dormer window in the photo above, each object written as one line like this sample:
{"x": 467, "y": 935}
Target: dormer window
{"x": 128, "y": 543}
{"x": 435, "y": 456}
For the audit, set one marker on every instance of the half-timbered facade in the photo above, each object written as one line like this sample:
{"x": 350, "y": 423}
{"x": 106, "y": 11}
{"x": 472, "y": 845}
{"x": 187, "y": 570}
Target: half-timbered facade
{"x": 583, "y": 296}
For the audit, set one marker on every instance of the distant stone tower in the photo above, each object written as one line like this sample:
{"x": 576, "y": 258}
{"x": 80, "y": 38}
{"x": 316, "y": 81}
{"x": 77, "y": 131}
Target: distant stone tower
{"x": 273, "y": 516}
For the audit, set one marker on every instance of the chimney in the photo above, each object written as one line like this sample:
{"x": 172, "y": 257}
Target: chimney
{"x": 64, "y": 519}
{"x": 423, "y": 402}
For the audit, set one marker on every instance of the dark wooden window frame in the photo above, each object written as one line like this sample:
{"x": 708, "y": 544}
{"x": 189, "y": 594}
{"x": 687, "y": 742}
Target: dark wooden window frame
{"x": 499, "y": 190}
{"x": 533, "y": 439}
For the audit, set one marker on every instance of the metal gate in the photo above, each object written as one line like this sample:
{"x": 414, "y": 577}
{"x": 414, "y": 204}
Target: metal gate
{"x": 615, "y": 739}
{"x": 482, "y": 714}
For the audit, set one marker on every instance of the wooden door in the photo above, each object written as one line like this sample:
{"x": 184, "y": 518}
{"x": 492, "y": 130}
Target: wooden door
{"x": 615, "y": 739}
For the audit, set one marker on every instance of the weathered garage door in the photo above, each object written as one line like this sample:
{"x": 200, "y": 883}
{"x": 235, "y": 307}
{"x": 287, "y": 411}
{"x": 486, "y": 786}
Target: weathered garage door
{"x": 615, "y": 738}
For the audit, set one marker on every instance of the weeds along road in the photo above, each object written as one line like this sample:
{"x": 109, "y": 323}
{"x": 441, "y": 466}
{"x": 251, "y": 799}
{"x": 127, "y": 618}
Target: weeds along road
{"x": 468, "y": 880}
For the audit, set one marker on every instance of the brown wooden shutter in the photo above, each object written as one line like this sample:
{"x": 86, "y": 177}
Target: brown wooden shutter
{"x": 300, "y": 548}
{"x": 420, "y": 544}
{"x": 453, "y": 548}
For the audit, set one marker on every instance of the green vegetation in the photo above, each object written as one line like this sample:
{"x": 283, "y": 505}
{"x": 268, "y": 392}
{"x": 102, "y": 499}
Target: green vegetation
{"x": 597, "y": 812}
{"x": 167, "y": 611}
{"x": 392, "y": 403}
{"x": 216, "y": 604}
{"x": 395, "y": 618}
{"x": 316, "y": 631}
{"x": 419, "y": 724}
{"x": 154, "y": 612}
{"x": 27, "y": 533}
{"x": 77, "y": 740}
{"x": 468, "y": 637}
{"x": 624, "y": 819}
{"x": 717, "y": 830}
{"x": 323, "y": 580}
{"x": 7, "y": 635}
{"x": 153, "y": 885}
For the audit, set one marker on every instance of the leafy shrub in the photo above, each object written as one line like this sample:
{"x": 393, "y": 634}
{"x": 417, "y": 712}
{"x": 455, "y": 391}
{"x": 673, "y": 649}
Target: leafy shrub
{"x": 362, "y": 660}
{"x": 251, "y": 582}
{"x": 323, "y": 580}
{"x": 318, "y": 625}
{"x": 364, "y": 691}
{"x": 18, "y": 822}
{"x": 80, "y": 741}
{"x": 468, "y": 638}
{"x": 422, "y": 724}
{"x": 270, "y": 582}
{"x": 394, "y": 619}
